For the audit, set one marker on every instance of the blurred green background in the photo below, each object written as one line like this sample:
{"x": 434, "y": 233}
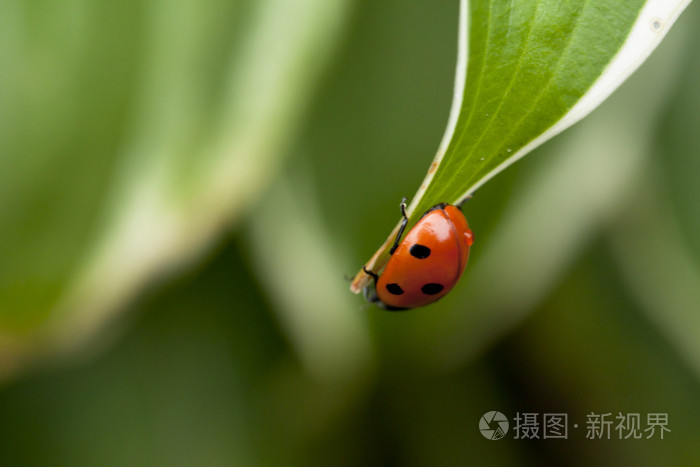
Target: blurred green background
{"x": 184, "y": 185}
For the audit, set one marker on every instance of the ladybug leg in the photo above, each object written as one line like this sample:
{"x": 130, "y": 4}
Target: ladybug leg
{"x": 372, "y": 296}
{"x": 404, "y": 221}
{"x": 403, "y": 207}
{"x": 369, "y": 293}
{"x": 370, "y": 273}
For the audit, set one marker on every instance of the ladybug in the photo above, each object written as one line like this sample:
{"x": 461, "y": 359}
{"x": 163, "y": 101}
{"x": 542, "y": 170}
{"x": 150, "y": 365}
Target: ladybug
{"x": 427, "y": 263}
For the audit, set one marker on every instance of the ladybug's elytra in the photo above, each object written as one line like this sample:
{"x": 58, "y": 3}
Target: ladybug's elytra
{"x": 427, "y": 263}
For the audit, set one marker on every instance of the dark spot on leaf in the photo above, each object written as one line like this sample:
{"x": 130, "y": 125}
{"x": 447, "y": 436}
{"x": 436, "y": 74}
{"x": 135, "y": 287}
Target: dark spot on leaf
{"x": 432, "y": 288}
{"x": 420, "y": 251}
{"x": 394, "y": 289}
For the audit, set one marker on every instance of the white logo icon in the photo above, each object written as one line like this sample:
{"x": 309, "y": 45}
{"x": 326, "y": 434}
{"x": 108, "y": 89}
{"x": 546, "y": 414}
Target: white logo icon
{"x": 493, "y": 425}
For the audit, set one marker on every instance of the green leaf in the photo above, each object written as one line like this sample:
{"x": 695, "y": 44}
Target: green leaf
{"x": 130, "y": 135}
{"x": 318, "y": 315}
{"x": 526, "y": 71}
{"x": 664, "y": 278}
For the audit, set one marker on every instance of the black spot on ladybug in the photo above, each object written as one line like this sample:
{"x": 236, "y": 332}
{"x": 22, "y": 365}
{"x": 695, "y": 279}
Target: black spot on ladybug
{"x": 432, "y": 288}
{"x": 420, "y": 251}
{"x": 394, "y": 289}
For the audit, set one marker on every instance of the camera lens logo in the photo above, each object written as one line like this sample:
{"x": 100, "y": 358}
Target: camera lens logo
{"x": 493, "y": 425}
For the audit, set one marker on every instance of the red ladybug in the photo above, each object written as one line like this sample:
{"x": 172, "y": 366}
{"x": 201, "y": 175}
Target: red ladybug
{"x": 427, "y": 263}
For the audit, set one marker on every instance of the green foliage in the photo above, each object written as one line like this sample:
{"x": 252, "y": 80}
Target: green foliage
{"x": 526, "y": 71}
{"x": 581, "y": 293}
{"x": 528, "y": 65}
{"x": 130, "y": 134}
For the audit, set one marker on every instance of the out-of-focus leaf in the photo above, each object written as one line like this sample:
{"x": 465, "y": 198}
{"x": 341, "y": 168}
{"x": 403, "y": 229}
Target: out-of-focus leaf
{"x": 526, "y": 71}
{"x": 660, "y": 269}
{"x": 655, "y": 240}
{"x": 588, "y": 347}
{"x": 130, "y": 134}
{"x": 299, "y": 267}
{"x": 179, "y": 389}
